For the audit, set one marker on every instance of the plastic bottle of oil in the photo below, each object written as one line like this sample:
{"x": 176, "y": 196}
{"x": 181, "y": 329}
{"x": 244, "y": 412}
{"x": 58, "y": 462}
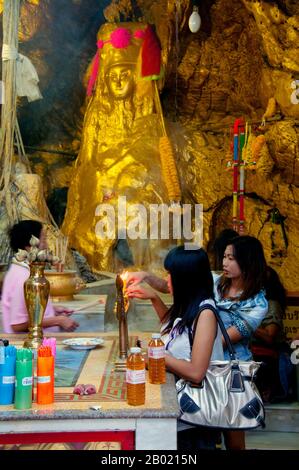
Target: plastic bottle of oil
{"x": 156, "y": 360}
{"x": 135, "y": 378}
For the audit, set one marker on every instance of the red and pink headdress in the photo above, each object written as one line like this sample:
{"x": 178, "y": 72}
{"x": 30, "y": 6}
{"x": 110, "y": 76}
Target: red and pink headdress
{"x": 121, "y": 38}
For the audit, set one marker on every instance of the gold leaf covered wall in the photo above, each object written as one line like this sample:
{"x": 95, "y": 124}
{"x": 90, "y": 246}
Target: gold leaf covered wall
{"x": 248, "y": 55}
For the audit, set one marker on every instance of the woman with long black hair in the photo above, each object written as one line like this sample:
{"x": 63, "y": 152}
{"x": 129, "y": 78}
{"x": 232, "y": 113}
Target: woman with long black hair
{"x": 191, "y": 283}
{"x": 239, "y": 297}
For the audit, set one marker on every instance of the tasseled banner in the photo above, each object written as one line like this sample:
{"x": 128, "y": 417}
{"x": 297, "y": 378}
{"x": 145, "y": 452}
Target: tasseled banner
{"x": 144, "y": 87}
{"x": 151, "y": 54}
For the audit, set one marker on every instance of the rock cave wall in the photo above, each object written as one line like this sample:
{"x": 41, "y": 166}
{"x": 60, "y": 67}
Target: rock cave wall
{"x": 245, "y": 54}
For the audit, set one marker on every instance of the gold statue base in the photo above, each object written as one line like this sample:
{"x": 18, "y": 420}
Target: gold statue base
{"x": 120, "y": 364}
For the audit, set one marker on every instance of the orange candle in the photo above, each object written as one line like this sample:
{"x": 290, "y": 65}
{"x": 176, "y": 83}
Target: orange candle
{"x": 45, "y": 376}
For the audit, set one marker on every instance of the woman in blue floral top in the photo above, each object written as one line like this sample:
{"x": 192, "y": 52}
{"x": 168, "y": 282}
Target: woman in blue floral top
{"x": 241, "y": 302}
{"x": 239, "y": 293}
{"x": 239, "y": 297}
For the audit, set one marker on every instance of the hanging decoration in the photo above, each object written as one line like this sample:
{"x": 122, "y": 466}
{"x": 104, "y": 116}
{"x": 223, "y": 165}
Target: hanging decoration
{"x": 242, "y": 179}
{"x": 151, "y": 55}
{"x": 194, "y": 20}
{"x": 27, "y": 79}
{"x": 26, "y": 74}
{"x": 247, "y": 149}
{"x": 244, "y": 153}
{"x": 253, "y": 145}
{"x": 238, "y": 126}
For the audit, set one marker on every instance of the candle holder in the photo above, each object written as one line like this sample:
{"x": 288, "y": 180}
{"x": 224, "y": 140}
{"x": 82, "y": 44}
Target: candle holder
{"x": 122, "y": 306}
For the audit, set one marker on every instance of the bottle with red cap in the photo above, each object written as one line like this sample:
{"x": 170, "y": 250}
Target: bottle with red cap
{"x": 135, "y": 378}
{"x": 156, "y": 360}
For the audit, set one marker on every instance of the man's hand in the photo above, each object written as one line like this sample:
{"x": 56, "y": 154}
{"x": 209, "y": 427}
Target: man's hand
{"x": 140, "y": 292}
{"x": 67, "y": 323}
{"x": 134, "y": 278}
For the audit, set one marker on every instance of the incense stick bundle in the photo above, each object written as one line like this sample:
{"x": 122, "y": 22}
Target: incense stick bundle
{"x": 61, "y": 246}
{"x": 89, "y": 305}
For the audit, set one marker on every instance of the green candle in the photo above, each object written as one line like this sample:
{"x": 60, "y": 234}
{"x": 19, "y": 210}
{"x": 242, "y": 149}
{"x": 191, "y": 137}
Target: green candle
{"x": 23, "y": 391}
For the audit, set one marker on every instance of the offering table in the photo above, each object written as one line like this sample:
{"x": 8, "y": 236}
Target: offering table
{"x": 74, "y": 421}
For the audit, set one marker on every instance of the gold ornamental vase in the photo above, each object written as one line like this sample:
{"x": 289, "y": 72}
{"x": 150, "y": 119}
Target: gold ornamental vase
{"x": 36, "y": 291}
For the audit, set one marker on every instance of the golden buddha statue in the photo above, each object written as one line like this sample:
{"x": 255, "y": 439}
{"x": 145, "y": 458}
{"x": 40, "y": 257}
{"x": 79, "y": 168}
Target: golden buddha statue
{"x": 119, "y": 156}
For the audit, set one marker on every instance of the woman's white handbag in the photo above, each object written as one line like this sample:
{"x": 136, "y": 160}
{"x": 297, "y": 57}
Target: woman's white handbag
{"x": 227, "y": 397}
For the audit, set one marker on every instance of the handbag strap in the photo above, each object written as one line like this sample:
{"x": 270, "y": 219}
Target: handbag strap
{"x": 226, "y": 337}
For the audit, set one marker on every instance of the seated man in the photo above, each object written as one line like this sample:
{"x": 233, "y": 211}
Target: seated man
{"x": 14, "y": 311}
{"x": 269, "y": 346}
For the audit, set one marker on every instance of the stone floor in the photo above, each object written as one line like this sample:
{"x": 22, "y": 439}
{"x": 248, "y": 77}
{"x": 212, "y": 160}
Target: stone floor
{"x": 263, "y": 440}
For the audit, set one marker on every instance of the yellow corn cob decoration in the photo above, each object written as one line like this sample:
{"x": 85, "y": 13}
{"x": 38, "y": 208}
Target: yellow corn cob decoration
{"x": 247, "y": 149}
{"x": 270, "y": 110}
{"x": 257, "y": 146}
{"x": 169, "y": 170}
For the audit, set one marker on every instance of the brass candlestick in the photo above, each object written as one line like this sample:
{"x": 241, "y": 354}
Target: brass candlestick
{"x": 122, "y": 306}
